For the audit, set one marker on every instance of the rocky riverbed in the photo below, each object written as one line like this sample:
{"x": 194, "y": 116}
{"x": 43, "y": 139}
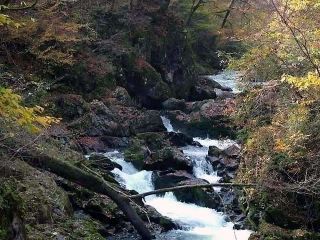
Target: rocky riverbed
{"x": 151, "y": 149}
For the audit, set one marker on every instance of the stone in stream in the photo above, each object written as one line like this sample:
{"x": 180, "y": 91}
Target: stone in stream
{"x": 224, "y": 160}
{"x": 166, "y": 158}
{"x": 157, "y": 151}
{"x": 206, "y": 88}
{"x": 102, "y": 162}
{"x": 180, "y": 139}
{"x": 214, "y": 151}
{"x": 203, "y": 118}
{"x": 232, "y": 151}
{"x": 198, "y": 196}
{"x": 224, "y": 94}
{"x": 208, "y": 82}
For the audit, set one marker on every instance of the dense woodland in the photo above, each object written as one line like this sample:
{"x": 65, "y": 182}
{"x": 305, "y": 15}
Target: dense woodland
{"x": 85, "y": 76}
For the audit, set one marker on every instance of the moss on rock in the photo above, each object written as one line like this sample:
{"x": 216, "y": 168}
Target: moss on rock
{"x": 135, "y": 154}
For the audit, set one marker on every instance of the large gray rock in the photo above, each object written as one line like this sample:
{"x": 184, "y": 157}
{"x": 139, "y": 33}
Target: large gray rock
{"x": 117, "y": 121}
{"x": 214, "y": 151}
{"x": 232, "y": 151}
{"x": 174, "y": 104}
{"x": 200, "y": 93}
{"x": 166, "y": 158}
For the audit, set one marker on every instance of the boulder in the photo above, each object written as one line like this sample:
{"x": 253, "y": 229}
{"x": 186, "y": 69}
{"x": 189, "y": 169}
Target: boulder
{"x": 199, "y": 196}
{"x": 215, "y": 161}
{"x": 225, "y": 94}
{"x": 214, "y": 151}
{"x": 202, "y": 197}
{"x": 147, "y": 121}
{"x": 144, "y": 82}
{"x": 230, "y": 164}
{"x": 210, "y": 83}
{"x": 102, "y": 162}
{"x": 174, "y": 104}
{"x": 122, "y": 96}
{"x": 155, "y": 217}
{"x": 166, "y": 158}
{"x": 117, "y": 121}
{"x": 169, "y": 178}
{"x": 199, "y": 93}
{"x": 137, "y": 154}
{"x": 70, "y": 106}
{"x": 207, "y": 88}
{"x": 232, "y": 151}
{"x": 180, "y": 139}
{"x": 100, "y": 121}
{"x": 203, "y": 118}
{"x": 225, "y": 160}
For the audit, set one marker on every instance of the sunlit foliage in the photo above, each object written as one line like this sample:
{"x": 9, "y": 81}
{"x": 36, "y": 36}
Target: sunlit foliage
{"x": 310, "y": 81}
{"x": 12, "y": 110}
{"x": 285, "y": 40}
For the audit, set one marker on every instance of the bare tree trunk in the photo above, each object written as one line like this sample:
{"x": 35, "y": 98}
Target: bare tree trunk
{"x": 194, "y": 8}
{"x": 89, "y": 181}
{"x": 232, "y": 2}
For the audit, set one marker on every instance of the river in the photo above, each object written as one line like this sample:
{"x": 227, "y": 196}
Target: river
{"x": 197, "y": 223}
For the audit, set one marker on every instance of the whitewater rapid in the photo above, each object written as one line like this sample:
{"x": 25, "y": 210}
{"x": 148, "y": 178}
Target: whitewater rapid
{"x": 197, "y": 223}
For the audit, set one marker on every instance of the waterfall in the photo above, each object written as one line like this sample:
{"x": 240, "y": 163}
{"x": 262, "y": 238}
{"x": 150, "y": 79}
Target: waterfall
{"x": 167, "y": 124}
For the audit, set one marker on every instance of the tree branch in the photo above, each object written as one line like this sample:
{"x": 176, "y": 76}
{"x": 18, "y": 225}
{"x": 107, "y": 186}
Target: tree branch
{"x": 228, "y": 11}
{"x": 163, "y": 190}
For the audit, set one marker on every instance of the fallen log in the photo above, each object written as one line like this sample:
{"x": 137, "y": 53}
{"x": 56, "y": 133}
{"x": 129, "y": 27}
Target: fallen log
{"x": 89, "y": 181}
{"x": 172, "y": 189}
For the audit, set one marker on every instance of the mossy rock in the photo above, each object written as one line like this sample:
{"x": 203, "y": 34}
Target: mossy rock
{"x": 214, "y": 151}
{"x": 280, "y": 218}
{"x": 154, "y": 141}
{"x": 136, "y": 154}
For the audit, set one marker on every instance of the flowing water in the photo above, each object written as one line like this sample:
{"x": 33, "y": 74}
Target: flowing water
{"x": 228, "y": 78}
{"x": 197, "y": 223}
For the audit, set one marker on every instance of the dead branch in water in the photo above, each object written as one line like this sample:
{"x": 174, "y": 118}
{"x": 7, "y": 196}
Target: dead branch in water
{"x": 171, "y": 189}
